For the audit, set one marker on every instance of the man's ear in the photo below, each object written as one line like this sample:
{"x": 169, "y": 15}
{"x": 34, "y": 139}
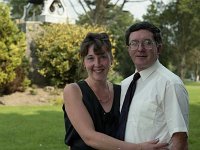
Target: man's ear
{"x": 159, "y": 48}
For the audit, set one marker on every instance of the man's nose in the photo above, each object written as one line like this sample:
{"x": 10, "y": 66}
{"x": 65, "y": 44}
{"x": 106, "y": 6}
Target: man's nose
{"x": 140, "y": 47}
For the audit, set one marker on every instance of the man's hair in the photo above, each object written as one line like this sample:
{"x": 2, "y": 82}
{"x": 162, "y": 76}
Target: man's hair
{"x": 146, "y": 26}
{"x": 100, "y": 41}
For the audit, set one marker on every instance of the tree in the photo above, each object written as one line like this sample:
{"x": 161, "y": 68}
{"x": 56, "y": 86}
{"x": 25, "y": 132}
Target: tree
{"x": 12, "y": 53}
{"x": 193, "y": 63}
{"x": 18, "y": 8}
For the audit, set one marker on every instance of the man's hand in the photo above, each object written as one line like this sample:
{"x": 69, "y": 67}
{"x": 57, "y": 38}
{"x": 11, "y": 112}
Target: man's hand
{"x": 153, "y": 145}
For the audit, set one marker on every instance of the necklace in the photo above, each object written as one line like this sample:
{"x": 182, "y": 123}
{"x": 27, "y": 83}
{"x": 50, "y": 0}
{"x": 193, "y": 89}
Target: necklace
{"x": 108, "y": 95}
{"x": 102, "y": 99}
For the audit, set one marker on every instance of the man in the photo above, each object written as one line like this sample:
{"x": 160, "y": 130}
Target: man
{"x": 159, "y": 107}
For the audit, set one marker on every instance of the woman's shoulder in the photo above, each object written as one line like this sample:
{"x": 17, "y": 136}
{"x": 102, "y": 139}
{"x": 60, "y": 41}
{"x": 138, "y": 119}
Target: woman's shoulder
{"x": 71, "y": 89}
{"x": 71, "y": 86}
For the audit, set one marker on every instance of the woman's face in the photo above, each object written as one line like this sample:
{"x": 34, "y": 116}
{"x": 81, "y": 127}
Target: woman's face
{"x": 97, "y": 65}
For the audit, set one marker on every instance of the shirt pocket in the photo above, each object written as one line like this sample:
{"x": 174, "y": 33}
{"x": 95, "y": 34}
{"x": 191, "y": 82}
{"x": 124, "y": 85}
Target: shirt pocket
{"x": 147, "y": 115}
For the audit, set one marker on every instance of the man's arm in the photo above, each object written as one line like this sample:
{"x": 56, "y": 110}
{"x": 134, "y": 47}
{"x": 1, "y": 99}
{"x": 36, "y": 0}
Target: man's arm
{"x": 179, "y": 141}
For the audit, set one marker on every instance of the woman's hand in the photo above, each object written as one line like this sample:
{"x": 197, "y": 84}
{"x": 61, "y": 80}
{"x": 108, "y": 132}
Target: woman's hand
{"x": 154, "y": 145}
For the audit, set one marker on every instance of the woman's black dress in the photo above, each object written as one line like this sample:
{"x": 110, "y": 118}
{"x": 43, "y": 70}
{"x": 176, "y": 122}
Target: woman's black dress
{"x": 104, "y": 122}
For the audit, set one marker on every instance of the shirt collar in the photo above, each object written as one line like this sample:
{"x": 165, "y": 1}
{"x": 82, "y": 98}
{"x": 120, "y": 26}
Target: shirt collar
{"x": 145, "y": 73}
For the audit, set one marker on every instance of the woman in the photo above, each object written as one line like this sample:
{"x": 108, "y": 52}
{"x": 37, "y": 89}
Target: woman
{"x": 91, "y": 106}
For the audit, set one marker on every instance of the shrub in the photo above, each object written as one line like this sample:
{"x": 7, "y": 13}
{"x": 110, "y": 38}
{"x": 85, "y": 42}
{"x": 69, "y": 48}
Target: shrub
{"x": 12, "y": 54}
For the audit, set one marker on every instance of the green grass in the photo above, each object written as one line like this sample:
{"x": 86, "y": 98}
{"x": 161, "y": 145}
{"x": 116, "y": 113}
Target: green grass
{"x": 31, "y": 128}
{"x": 194, "y": 120}
{"x": 42, "y": 127}
{"x": 191, "y": 83}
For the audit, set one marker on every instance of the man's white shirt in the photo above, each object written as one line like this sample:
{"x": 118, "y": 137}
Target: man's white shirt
{"x": 159, "y": 107}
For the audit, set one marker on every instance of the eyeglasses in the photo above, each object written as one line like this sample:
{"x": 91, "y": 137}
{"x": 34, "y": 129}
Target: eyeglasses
{"x": 147, "y": 44}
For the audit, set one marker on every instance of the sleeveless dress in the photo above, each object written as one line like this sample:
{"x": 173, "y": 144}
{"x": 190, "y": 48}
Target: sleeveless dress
{"x": 104, "y": 122}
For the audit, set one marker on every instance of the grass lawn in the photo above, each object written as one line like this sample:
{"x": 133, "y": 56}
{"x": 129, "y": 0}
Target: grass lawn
{"x": 194, "y": 121}
{"x": 42, "y": 127}
{"x": 31, "y": 128}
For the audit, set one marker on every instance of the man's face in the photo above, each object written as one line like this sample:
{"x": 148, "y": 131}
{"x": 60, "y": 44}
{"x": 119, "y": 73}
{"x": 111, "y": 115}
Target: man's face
{"x": 143, "y": 49}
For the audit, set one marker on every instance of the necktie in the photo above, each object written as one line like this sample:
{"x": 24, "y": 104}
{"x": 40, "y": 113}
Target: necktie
{"x": 125, "y": 108}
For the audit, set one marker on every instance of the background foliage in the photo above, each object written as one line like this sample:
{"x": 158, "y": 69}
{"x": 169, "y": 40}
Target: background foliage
{"x": 57, "y": 45}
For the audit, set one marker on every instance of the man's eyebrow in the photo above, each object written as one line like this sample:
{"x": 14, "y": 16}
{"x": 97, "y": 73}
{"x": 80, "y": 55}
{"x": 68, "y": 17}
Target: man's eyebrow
{"x": 134, "y": 40}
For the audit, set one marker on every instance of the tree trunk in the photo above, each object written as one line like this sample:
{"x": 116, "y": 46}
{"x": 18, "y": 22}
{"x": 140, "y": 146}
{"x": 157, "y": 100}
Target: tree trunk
{"x": 182, "y": 67}
{"x": 197, "y": 71}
